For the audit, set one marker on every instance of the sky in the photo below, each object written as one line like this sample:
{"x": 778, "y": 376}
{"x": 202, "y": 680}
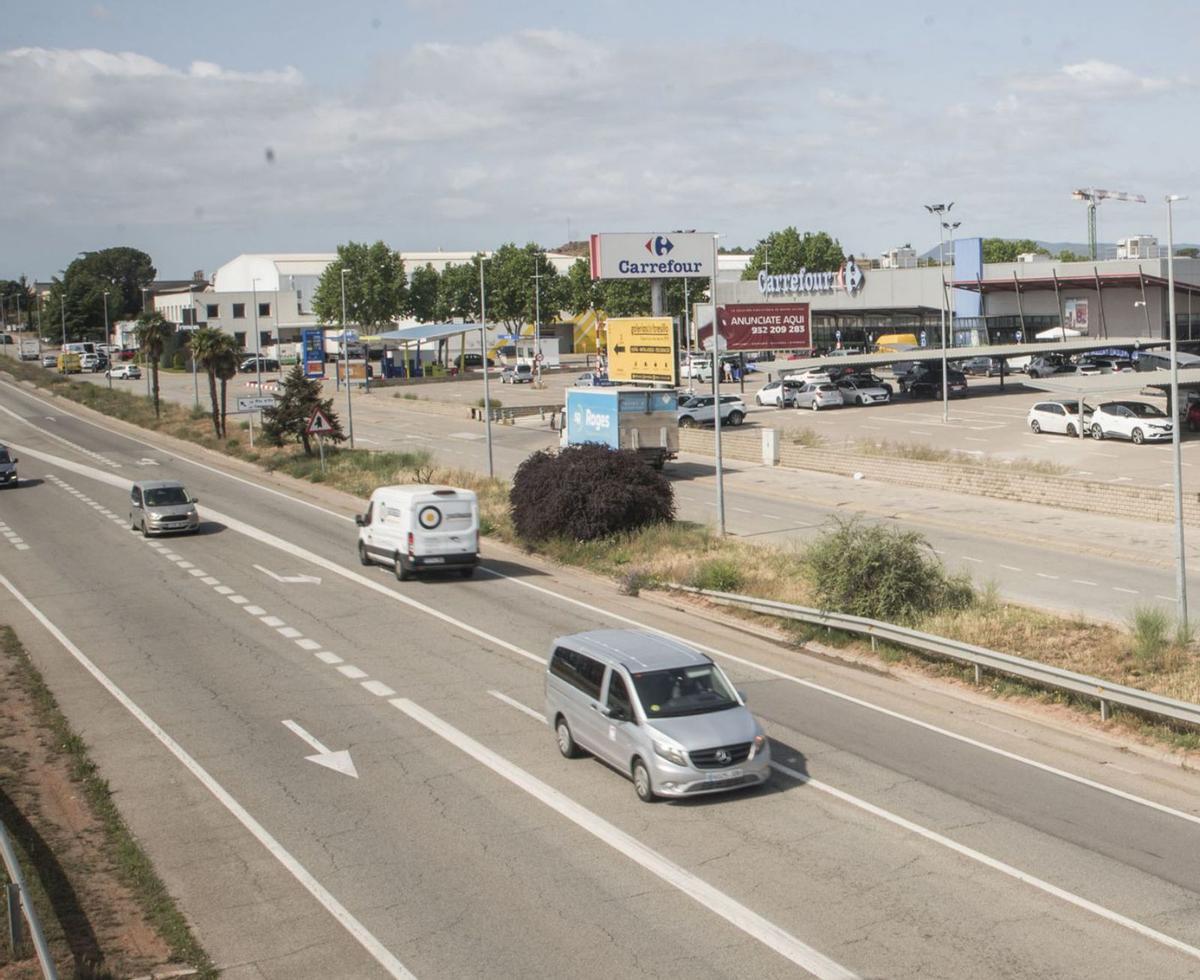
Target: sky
{"x": 198, "y": 132}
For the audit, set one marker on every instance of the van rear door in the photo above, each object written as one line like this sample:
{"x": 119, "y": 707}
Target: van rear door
{"x": 446, "y": 523}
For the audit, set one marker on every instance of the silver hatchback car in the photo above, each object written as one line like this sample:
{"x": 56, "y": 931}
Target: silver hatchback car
{"x": 659, "y": 712}
{"x": 162, "y": 507}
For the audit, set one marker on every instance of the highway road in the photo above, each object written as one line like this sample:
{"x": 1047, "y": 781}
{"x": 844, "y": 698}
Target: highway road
{"x": 909, "y": 831}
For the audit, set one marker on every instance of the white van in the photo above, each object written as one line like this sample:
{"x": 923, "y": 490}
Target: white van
{"x": 418, "y": 527}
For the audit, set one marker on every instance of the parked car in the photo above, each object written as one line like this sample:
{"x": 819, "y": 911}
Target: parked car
{"x": 858, "y": 392}
{"x": 1058, "y": 417}
{"x": 1106, "y": 365}
{"x": 91, "y": 362}
{"x": 161, "y": 507}
{"x": 1045, "y": 366}
{"x": 778, "y": 393}
{"x": 593, "y": 379}
{"x": 517, "y": 374}
{"x": 50, "y": 360}
{"x": 1137, "y": 421}
{"x": 125, "y": 372}
{"x": 698, "y": 410}
{"x": 987, "y": 367}
{"x": 872, "y": 380}
{"x": 251, "y": 365}
{"x": 811, "y": 376}
{"x": 817, "y": 395}
{"x": 471, "y": 360}
{"x": 928, "y": 383}
{"x": 654, "y": 709}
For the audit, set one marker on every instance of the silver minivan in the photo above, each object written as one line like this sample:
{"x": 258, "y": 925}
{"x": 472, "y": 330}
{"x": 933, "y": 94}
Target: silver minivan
{"x": 656, "y": 710}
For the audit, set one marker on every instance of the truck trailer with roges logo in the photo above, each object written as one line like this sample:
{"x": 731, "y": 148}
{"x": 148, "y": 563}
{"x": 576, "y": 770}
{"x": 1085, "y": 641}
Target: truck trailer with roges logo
{"x": 641, "y": 419}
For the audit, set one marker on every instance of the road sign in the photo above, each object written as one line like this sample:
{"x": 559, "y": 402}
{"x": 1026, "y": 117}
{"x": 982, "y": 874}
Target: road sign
{"x": 254, "y": 404}
{"x": 318, "y": 424}
{"x": 539, "y": 357}
{"x": 652, "y": 255}
{"x": 642, "y": 348}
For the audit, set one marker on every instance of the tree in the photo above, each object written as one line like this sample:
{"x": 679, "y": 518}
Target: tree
{"x": 376, "y": 287}
{"x": 423, "y": 293}
{"x": 17, "y": 301}
{"x": 152, "y": 334}
{"x": 288, "y": 418}
{"x": 1007, "y": 249}
{"x": 77, "y": 299}
{"x": 458, "y": 292}
{"x": 205, "y": 345}
{"x": 1066, "y": 255}
{"x": 225, "y": 365}
{"x": 786, "y": 252}
{"x": 1188, "y": 252}
{"x": 511, "y": 287}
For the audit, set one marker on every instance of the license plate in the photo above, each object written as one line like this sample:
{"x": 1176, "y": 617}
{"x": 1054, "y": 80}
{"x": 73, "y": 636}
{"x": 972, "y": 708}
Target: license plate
{"x": 435, "y": 561}
{"x": 720, "y": 777}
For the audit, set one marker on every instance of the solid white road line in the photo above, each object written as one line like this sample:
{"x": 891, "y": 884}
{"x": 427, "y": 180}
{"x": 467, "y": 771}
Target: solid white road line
{"x": 264, "y": 537}
{"x": 1117, "y": 588}
{"x": 1010, "y": 568}
{"x": 514, "y": 703}
{"x": 373, "y": 946}
{"x": 728, "y": 908}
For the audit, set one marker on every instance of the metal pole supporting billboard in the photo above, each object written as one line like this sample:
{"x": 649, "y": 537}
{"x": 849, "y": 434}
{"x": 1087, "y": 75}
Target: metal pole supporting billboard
{"x": 687, "y": 332}
{"x": 487, "y": 395}
{"x": 1180, "y": 556}
{"x": 716, "y": 336}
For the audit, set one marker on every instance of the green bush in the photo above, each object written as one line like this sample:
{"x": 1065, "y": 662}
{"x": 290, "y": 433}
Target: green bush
{"x": 587, "y": 492}
{"x": 1150, "y": 627}
{"x": 719, "y": 575}
{"x": 882, "y": 573}
{"x": 179, "y": 362}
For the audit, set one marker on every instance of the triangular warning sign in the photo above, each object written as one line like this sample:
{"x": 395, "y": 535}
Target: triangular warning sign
{"x": 318, "y": 425}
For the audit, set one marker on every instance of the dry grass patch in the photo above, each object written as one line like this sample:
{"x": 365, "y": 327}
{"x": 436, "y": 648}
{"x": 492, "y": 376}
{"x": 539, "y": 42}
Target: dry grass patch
{"x": 920, "y": 452}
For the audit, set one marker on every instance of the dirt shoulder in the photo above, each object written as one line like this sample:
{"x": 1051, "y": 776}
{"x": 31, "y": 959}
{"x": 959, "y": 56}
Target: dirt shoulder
{"x": 104, "y": 910}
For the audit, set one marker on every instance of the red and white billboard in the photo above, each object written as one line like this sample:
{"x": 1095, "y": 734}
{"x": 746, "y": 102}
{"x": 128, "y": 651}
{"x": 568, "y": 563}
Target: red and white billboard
{"x": 763, "y": 326}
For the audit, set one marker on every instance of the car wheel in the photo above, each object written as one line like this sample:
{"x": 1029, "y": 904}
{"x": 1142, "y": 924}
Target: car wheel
{"x": 687, "y": 422}
{"x": 402, "y": 573}
{"x": 815, "y": 405}
{"x": 145, "y": 533}
{"x": 858, "y": 399}
{"x": 1137, "y": 437}
{"x": 1097, "y": 433}
{"x": 736, "y": 418}
{"x": 641, "y": 782}
{"x": 1071, "y": 430}
{"x": 467, "y": 572}
{"x": 565, "y": 740}
{"x": 1036, "y": 426}
{"x": 363, "y": 557}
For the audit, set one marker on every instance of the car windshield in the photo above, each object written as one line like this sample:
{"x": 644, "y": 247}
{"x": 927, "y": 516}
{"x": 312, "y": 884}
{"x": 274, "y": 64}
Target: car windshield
{"x": 1144, "y": 411}
{"x": 166, "y": 496}
{"x": 679, "y": 691}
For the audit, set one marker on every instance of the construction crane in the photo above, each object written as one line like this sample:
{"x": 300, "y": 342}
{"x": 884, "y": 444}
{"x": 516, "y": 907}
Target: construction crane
{"x": 1094, "y": 196}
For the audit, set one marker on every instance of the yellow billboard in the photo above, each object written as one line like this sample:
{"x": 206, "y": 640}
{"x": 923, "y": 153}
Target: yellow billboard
{"x": 641, "y": 348}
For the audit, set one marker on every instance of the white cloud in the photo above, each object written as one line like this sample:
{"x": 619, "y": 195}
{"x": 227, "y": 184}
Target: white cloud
{"x": 1099, "y": 79}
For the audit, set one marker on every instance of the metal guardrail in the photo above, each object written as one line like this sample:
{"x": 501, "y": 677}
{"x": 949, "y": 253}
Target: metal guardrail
{"x": 516, "y": 412}
{"x": 20, "y": 901}
{"x": 1106, "y": 693}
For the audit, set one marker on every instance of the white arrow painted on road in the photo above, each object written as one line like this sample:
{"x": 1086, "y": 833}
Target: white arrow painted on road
{"x": 339, "y": 761}
{"x": 290, "y": 579}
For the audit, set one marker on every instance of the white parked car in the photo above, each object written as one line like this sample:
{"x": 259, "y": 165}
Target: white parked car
{"x": 857, "y": 391}
{"x": 781, "y": 394}
{"x": 811, "y": 376}
{"x": 818, "y": 395}
{"x": 125, "y": 372}
{"x": 1087, "y": 369}
{"x": 1058, "y": 417}
{"x": 698, "y": 410}
{"x": 1136, "y": 421}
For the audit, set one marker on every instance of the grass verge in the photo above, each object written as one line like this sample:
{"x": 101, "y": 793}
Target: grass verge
{"x": 922, "y": 453}
{"x": 131, "y": 864}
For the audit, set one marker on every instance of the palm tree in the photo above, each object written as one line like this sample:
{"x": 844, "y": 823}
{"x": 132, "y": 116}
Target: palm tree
{"x": 206, "y": 344}
{"x": 225, "y": 365}
{"x": 152, "y": 333}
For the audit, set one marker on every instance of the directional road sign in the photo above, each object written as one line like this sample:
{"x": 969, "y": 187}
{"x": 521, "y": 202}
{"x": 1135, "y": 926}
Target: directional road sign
{"x": 254, "y": 403}
{"x": 641, "y": 348}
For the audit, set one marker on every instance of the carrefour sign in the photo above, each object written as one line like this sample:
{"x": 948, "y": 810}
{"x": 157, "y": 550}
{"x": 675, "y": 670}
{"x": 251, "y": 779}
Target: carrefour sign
{"x": 652, "y": 255}
{"x": 849, "y": 278}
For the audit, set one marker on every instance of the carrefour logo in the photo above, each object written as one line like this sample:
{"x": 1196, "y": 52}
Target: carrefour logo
{"x": 659, "y": 245}
{"x": 849, "y": 277}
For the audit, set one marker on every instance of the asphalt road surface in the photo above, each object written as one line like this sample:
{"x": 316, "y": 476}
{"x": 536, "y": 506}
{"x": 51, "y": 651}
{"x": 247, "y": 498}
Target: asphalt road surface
{"x": 909, "y": 830}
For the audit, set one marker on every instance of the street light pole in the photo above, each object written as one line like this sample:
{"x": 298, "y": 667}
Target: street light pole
{"x": 537, "y": 315}
{"x": 940, "y": 211}
{"x": 1180, "y": 556}
{"x": 716, "y": 335}
{"x": 108, "y": 339}
{"x": 195, "y": 377}
{"x": 346, "y": 362}
{"x": 950, "y": 227}
{"x": 487, "y": 394}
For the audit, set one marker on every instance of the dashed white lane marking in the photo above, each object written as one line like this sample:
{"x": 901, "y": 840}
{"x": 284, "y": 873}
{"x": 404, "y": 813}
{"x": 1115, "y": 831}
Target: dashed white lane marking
{"x": 171, "y": 556}
{"x": 772, "y": 517}
{"x": 978, "y": 561}
{"x": 1166, "y": 598}
{"x": 238, "y": 600}
{"x": 223, "y": 590}
{"x": 198, "y": 573}
{"x": 288, "y": 632}
{"x": 1010, "y": 568}
{"x": 20, "y": 546}
{"x": 741, "y": 510}
{"x": 273, "y": 621}
{"x": 1082, "y": 581}
{"x": 1119, "y": 479}
{"x": 327, "y": 658}
{"x": 185, "y": 564}
{"x": 1117, "y": 588}
{"x": 716, "y": 901}
{"x": 307, "y": 644}
{"x": 352, "y": 672}
{"x": 1046, "y": 575}
{"x": 514, "y": 703}
{"x": 318, "y": 891}
{"x": 253, "y": 610}
{"x": 378, "y": 688}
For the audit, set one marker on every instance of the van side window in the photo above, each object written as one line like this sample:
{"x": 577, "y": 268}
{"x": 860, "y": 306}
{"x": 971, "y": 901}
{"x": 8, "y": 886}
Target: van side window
{"x": 618, "y": 697}
{"x": 136, "y": 496}
{"x": 577, "y": 670}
